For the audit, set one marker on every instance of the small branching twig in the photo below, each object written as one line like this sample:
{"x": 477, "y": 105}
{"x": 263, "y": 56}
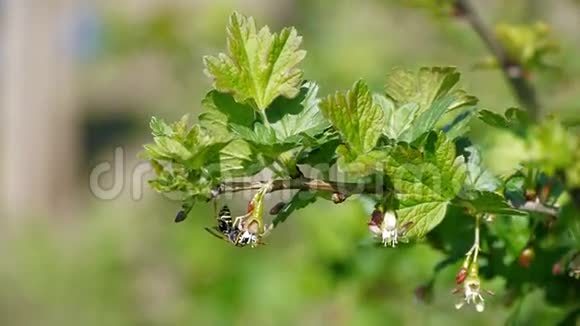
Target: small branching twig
{"x": 513, "y": 71}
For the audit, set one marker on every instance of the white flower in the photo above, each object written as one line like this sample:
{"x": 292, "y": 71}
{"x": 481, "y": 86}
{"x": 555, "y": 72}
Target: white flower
{"x": 472, "y": 294}
{"x": 389, "y": 229}
{"x": 385, "y": 227}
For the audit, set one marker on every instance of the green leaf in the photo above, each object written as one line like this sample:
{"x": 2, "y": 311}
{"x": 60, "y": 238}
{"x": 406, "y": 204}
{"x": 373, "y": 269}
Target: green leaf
{"x": 222, "y": 111}
{"x": 425, "y": 181}
{"x": 514, "y": 120}
{"x": 427, "y": 120}
{"x": 362, "y": 165}
{"x": 159, "y": 128}
{"x": 259, "y": 65}
{"x": 263, "y": 139}
{"x": 193, "y": 147}
{"x": 237, "y": 159}
{"x": 173, "y": 148}
{"x": 477, "y": 176}
{"x": 459, "y": 126}
{"x": 300, "y": 200}
{"x": 425, "y": 217}
{"x": 397, "y": 120}
{"x": 490, "y": 203}
{"x": 422, "y": 101}
{"x": 356, "y": 117}
{"x": 422, "y": 88}
{"x": 323, "y": 155}
{"x": 292, "y": 117}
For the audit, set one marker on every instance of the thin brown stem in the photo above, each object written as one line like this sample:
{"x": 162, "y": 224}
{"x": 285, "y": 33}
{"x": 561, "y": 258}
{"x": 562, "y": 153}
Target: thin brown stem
{"x": 344, "y": 188}
{"x": 513, "y": 71}
{"x": 537, "y": 207}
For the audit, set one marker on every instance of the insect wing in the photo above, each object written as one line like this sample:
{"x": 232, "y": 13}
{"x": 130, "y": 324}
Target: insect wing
{"x": 213, "y": 231}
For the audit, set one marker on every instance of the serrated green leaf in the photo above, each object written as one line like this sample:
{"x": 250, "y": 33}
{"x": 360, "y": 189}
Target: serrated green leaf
{"x": 292, "y": 117}
{"x": 425, "y": 182}
{"x": 425, "y": 217}
{"x": 171, "y": 148}
{"x": 259, "y": 65}
{"x": 223, "y": 110}
{"x": 397, "y": 120}
{"x": 323, "y": 155}
{"x": 159, "y": 128}
{"x": 427, "y": 120}
{"x": 236, "y": 160}
{"x": 263, "y": 140}
{"x": 423, "y": 88}
{"x": 477, "y": 176}
{"x": 362, "y": 165}
{"x": 422, "y": 101}
{"x": 356, "y": 117}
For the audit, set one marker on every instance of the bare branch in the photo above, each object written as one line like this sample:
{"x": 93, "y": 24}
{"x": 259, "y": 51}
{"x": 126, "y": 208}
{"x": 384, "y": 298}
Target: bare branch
{"x": 342, "y": 188}
{"x": 537, "y": 207}
{"x": 513, "y": 71}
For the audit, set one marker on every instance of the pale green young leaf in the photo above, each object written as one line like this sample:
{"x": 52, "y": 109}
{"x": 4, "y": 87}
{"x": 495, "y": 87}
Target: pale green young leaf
{"x": 397, "y": 119}
{"x": 422, "y": 101}
{"x": 477, "y": 176}
{"x": 292, "y": 117}
{"x": 159, "y": 128}
{"x": 237, "y": 159}
{"x": 356, "y": 167}
{"x": 172, "y": 149}
{"x": 259, "y": 65}
{"x": 425, "y": 182}
{"x": 423, "y": 87}
{"x": 357, "y": 118}
{"x": 223, "y": 110}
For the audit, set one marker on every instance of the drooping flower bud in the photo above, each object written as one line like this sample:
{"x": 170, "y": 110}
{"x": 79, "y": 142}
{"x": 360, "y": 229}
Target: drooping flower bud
{"x": 461, "y": 275}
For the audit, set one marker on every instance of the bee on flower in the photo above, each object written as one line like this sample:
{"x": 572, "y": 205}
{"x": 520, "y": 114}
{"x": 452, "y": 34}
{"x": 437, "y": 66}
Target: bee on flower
{"x": 244, "y": 230}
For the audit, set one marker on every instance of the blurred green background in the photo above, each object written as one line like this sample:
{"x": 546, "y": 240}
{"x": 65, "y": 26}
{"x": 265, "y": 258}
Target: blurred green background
{"x": 81, "y": 78}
